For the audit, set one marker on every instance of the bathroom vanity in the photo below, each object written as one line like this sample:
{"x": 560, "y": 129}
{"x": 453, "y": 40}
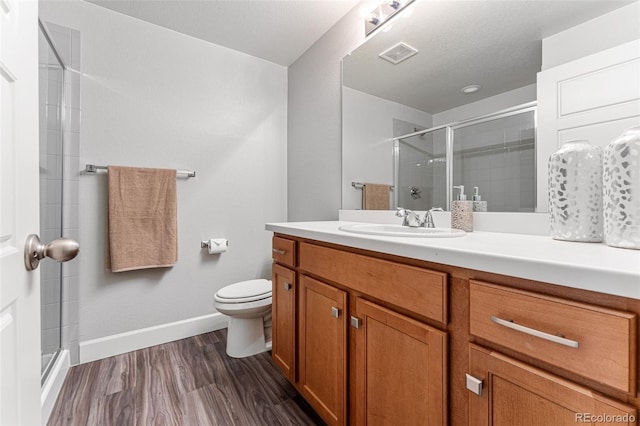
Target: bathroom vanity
{"x": 492, "y": 328}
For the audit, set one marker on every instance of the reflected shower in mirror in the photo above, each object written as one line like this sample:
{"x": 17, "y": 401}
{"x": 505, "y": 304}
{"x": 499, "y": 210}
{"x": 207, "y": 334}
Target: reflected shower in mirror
{"x": 498, "y": 157}
{"x": 494, "y": 153}
{"x": 422, "y": 171}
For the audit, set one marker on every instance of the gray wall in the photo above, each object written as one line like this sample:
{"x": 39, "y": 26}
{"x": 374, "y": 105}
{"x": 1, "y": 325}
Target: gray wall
{"x": 152, "y": 97}
{"x": 315, "y": 124}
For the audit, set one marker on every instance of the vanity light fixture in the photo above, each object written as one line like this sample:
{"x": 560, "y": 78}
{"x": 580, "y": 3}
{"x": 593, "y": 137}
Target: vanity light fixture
{"x": 470, "y": 89}
{"x": 383, "y": 13}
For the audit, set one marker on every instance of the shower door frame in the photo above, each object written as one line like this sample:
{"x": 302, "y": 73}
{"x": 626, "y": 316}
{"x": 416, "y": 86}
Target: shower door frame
{"x": 450, "y": 128}
{"x": 62, "y": 114}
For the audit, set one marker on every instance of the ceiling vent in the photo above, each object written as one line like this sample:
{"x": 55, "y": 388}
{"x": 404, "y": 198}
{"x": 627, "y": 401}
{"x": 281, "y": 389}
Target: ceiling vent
{"x": 398, "y": 52}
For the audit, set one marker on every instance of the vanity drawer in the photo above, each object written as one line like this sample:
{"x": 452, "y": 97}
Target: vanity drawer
{"x": 588, "y": 340}
{"x": 416, "y": 289}
{"x": 284, "y": 251}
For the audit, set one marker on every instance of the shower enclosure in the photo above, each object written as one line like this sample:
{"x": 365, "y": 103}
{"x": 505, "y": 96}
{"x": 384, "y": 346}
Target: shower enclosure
{"x": 495, "y": 153}
{"x": 421, "y": 170}
{"x": 51, "y": 89}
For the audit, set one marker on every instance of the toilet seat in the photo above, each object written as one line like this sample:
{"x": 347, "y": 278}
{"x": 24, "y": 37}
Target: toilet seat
{"x": 244, "y": 292}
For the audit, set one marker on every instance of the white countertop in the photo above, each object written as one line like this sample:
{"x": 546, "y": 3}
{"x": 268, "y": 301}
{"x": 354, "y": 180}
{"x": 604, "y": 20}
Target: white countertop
{"x": 587, "y": 266}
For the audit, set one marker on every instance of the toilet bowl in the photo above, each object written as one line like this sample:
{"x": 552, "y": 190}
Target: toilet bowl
{"x": 248, "y": 306}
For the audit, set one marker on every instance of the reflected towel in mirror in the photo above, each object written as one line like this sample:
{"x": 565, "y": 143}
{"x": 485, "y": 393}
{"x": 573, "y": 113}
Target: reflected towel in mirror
{"x": 375, "y": 196}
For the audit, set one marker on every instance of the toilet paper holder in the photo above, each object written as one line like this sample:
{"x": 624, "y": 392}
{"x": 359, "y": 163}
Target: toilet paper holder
{"x": 207, "y": 243}
{"x": 215, "y": 245}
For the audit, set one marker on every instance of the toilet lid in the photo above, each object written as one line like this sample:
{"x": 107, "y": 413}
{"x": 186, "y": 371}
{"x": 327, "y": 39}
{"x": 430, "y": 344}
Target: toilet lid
{"x": 244, "y": 291}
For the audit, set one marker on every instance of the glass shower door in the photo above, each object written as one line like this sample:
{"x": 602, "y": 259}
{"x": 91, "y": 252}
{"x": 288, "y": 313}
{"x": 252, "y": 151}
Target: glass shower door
{"x": 498, "y": 156}
{"x": 422, "y": 170}
{"x": 51, "y": 85}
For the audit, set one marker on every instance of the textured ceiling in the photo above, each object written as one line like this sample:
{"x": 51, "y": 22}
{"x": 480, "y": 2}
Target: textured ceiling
{"x": 278, "y": 31}
{"x": 496, "y": 44}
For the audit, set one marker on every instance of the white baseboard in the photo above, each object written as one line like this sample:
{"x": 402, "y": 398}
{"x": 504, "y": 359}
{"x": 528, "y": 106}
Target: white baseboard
{"x": 52, "y": 386}
{"x": 104, "y": 347}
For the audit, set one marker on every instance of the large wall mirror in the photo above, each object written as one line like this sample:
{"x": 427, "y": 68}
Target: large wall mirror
{"x": 460, "y": 111}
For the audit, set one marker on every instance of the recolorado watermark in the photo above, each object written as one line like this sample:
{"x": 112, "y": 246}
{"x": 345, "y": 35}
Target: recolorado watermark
{"x": 604, "y": 418}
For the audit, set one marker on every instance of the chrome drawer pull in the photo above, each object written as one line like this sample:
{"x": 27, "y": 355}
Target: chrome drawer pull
{"x": 278, "y": 251}
{"x": 335, "y": 312}
{"x": 287, "y": 286}
{"x": 537, "y": 333}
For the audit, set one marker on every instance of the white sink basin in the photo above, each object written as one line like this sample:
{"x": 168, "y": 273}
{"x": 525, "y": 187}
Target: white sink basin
{"x": 402, "y": 231}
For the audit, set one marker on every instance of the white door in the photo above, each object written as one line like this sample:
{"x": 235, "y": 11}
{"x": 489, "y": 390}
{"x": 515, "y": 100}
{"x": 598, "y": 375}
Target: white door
{"x": 595, "y": 98}
{"x": 19, "y": 211}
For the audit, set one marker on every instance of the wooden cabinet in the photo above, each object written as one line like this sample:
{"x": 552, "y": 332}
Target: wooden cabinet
{"x": 284, "y": 251}
{"x": 590, "y": 341}
{"x": 375, "y": 339}
{"x": 400, "y": 369}
{"x": 419, "y": 290}
{"x": 584, "y": 339}
{"x": 323, "y": 349}
{"x": 394, "y": 365}
{"x": 284, "y": 319}
{"x": 515, "y": 393}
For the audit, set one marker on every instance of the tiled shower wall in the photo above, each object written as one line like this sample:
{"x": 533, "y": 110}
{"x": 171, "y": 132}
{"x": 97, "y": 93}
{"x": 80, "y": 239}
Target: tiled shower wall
{"x": 498, "y": 156}
{"x": 50, "y": 81}
{"x": 67, "y": 43}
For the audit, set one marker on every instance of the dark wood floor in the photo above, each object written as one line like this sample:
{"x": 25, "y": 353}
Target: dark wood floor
{"x": 186, "y": 382}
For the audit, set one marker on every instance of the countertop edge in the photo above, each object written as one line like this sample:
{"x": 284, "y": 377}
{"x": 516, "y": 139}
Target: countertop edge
{"x": 597, "y": 279}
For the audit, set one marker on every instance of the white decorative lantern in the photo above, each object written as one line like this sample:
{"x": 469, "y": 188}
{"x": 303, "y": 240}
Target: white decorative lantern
{"x": 621, "y": 190}
{"x": 575, "y": 192}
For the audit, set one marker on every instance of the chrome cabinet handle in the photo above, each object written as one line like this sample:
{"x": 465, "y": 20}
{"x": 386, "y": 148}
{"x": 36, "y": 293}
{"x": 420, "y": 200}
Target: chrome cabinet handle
{"x": 287, "y": 286}
{"x": 278, "y": 251}
{"x": 355, "y": 322}
{"x": 537, "y": 333}
{"x": 474, "y": 385}
{"x": 335, "y": 312}
{"x": 60, "y": 250}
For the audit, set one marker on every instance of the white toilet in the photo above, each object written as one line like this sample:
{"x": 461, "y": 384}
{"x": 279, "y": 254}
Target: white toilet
{"x": 248, "y": 305}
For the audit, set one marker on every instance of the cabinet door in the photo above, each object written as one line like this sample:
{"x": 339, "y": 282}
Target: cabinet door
{"x": 323, "y": 356}
{"x": 514, "y": 393}
{"x": 284, "y": 320}
{"x": 401, "y": 369}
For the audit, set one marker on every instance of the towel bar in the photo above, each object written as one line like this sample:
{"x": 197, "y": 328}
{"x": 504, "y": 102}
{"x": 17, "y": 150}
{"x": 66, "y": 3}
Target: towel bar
{"x": 359, "y": 185}
{"x": 92, "y": 168}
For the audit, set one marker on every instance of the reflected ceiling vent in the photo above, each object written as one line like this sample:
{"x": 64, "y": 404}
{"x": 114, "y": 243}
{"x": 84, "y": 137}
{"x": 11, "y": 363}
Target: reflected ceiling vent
{"x": 398, "y": 52}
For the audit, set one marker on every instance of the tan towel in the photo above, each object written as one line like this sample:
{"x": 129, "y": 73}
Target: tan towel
{"x": 142, "y": 219}
{"x": 375, "y": 196}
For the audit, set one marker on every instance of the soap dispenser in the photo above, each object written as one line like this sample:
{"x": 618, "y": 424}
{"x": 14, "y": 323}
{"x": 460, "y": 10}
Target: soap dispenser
{"x": 478, "y": 204}
{"x": 462, "y": 211}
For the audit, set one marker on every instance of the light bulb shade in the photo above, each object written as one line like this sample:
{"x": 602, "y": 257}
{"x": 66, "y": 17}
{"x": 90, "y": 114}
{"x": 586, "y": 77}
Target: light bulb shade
{"x": 383, "y": 13}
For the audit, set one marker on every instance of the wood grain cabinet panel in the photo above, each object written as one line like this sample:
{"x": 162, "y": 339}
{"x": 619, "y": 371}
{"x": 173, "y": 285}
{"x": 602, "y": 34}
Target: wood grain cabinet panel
{"x": 604, "y": 339}
{"x": 401, "y": 369}
{"x": 284, "y": 320}
{"x": 323, "y": 349}
{"x": 418, "y": 290}
{"x": 284, "y": 251}
{"x": 515, "y": 393}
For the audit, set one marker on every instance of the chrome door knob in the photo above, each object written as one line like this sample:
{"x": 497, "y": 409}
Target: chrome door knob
{"x": 60, "y": 250}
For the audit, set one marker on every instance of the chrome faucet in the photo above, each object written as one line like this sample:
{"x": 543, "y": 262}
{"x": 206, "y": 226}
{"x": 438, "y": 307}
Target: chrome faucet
{"x": 412, "y": 219}
{"x": 428, "y": 219}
